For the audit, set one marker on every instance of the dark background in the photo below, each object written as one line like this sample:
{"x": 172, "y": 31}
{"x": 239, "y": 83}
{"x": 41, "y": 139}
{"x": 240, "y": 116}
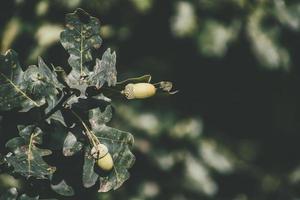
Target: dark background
{"x": 232, "y": 132}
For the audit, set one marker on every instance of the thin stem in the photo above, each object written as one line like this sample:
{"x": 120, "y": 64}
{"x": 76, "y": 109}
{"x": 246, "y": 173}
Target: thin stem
{"x": 92, "y": 138}
{"x": 81, "y": 51}
{"x": 113, "y": 90}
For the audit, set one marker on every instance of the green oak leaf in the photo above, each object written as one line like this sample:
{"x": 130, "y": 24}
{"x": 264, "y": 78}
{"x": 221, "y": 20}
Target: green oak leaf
{"x": 105, "y": 70}
{"x": 27, "y": 158}
{"x": 118, "y": 143}
{"x": 46, "y": 84}
{"x": 82, "y": 34}
{"x": 43, "y": 81}
{"x": 14, "y": 93}
{"x": 51, "y": 92}
{"x": 26, "y": 89}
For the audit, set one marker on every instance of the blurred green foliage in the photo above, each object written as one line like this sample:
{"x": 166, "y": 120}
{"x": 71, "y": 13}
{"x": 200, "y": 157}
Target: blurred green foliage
{"x": 233, "y": 130}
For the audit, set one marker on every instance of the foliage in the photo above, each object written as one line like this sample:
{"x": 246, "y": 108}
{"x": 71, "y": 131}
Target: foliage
{"x": 68, "y": 116}
{"x": 232, "y": 131}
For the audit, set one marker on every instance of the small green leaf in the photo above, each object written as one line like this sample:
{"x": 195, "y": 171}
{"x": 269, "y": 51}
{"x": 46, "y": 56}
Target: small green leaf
{"x": 118, "y": 143}
{"x": 63, "y": 188}
{"x": 89, "y": 177}
{"x": 27, "y": 159}
{"x": 105, "y": 70}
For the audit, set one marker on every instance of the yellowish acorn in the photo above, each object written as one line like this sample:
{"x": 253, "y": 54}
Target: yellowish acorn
{"x": 106, "y": 163}
{"x": 139, "y": 90}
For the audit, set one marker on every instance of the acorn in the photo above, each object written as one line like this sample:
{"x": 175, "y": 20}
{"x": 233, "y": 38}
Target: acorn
{"x": 139, "y": 90}
{"x": 103, "y": 157}
{"x": 106, "y": 163}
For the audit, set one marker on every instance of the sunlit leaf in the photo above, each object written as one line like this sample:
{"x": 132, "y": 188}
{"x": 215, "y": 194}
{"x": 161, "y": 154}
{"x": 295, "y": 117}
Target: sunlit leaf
{"x": 215, "y": 37}
{"x": 266, "y": 47}
{"x": 288, "y": 15}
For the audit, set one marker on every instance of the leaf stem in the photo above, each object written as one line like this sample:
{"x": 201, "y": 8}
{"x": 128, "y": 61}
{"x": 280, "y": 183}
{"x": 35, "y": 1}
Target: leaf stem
{"x": 113, "y": 90}
{"x": 92, "y": 138}
{"x": 29, "y": 154}
{"x": 81, "y": 51}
